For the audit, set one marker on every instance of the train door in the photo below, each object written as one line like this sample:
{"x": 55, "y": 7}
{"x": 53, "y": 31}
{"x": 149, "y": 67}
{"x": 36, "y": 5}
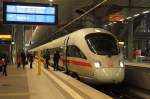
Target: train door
{"x": 65, "y": 49}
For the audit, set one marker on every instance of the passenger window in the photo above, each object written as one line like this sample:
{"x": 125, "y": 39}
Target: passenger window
{"x": 74, "y": 51}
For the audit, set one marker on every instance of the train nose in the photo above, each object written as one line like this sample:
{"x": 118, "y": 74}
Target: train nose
{"x": 118, "y": 75}
{"x": 109, "y": 75}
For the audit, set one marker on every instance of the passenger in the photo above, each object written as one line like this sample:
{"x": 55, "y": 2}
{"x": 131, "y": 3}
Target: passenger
{"x": 56, "y": 59}
{"x": 23, "y": 59}
{"x": 28, "y": 56}
{"x": 1, "y": 64}
{"x": 18, "y": 59}
{"x": 30, "y": 59}
{"x": 5, "y": 63}
{"x": 47, "y": 58}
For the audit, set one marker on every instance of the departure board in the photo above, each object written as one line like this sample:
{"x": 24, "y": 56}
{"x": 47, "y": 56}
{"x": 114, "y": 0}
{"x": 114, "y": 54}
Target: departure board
{"x": 29, "y": 13}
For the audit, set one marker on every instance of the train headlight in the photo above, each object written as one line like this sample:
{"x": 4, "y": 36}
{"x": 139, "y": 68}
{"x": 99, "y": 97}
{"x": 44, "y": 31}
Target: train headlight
{"x": 121, "y": 64}
{"x": 97, "y": 65}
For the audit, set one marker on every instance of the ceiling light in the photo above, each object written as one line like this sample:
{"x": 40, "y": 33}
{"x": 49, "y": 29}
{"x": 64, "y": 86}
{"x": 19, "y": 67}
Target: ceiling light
{"x": 105, "y": 25}
{"x": 110, "y": 24}
{"x": 121, "y": 20}
{"x": 51, "y": 0}
{"x": 128, "y": 18}
{"x": 114, "y": 22}
{"x": 27, "y": 45}
{"x": 144, "y": 12}
{"x": 136, "y": 15}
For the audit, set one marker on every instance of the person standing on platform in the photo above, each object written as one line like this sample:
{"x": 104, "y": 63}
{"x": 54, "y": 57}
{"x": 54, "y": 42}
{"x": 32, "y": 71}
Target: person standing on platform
{"x": 18, "y": 59}
{"x": 1, "y": 64}
{"x": 30, "y": 59}
{"x": 23, "y": 58}
{"x": 47, "y": 58}
{"x": 5, "y": 63}
{"x": 56, "y": 59}
{"x": 28, "y": 56}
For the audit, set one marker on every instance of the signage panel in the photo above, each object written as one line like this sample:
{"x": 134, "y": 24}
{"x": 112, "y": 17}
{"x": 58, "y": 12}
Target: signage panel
{"x": 30, "y": 13}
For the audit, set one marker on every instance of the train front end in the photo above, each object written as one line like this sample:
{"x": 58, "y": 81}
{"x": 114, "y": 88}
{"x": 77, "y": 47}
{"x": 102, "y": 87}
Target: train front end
{"x": 108, "y": 72}
{"x": 106, "y": 59}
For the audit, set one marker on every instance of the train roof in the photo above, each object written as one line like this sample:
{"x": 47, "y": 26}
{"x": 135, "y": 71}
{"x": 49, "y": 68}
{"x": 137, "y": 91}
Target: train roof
{"x": 88, "y": 30}
{"x": 81, "y": 32}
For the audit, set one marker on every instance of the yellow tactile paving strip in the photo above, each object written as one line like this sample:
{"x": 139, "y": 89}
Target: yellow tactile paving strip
{"x": 14, "y": 94}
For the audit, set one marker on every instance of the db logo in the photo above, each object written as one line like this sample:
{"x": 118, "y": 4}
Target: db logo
{"x": 110, "y": 65}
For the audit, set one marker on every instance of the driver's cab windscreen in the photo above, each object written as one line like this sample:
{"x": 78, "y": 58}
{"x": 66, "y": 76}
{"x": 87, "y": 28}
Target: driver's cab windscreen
{"x": 102, "y": 44}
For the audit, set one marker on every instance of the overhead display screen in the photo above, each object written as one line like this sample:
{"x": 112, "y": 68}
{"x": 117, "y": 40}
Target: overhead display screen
{"x": 29, "y": 13}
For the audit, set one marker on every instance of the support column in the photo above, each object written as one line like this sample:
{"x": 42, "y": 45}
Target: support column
{"x": 130, "y": 40}
{"x": 19, "y": 39}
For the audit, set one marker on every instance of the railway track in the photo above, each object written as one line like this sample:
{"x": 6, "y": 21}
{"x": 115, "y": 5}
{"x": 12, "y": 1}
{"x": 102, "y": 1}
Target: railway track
{"x": 117, "y": 91}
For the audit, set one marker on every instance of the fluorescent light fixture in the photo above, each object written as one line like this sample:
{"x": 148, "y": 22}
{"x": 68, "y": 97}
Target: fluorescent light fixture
{"x": 51, "y": 0}
{"x": 144, "y": 12}
{"x": 98, "y": 30}
{"x": 105, "y": 25}
{"x": 110, "y": 24}
{"x": 128, "y": 18}
{"x": 27, "y": 45}
{"x": 121, "y": 20}
{"x": 136, "y": 15}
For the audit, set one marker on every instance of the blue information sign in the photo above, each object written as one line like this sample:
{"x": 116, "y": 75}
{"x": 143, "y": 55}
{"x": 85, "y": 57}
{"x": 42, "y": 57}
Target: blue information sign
{"x": 29, "y": 13}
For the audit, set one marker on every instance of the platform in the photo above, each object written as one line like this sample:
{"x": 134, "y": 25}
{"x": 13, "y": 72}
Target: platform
{"x": 27, "y": 84}
{"x": 138, "y": 76}
{"x": 137, "y": 64}
{"x": 15, "y": 85}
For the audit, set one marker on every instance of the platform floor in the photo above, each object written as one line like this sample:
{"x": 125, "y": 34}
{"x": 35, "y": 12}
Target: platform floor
{"x": 137, "y": 64}
{"x": 15, "y": 85}
{"x": 26, "y": 84}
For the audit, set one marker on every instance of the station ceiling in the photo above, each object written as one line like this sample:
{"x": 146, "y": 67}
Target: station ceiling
{"x": 67, "y": 8}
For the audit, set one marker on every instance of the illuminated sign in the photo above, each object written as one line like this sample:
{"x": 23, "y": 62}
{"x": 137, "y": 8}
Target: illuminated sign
{"x": 5, "y": 36}
{"x": 121, "y": 43}
{"x": 116, "y": 17}
{"x": 29, "y": 13}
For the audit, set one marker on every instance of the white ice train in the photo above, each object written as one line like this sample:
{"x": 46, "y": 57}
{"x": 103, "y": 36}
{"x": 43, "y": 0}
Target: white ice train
{"x": 89, "y": 53}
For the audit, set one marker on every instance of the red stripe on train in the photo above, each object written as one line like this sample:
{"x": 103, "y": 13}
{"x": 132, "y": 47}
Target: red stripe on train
{"x": 79, "y": 63}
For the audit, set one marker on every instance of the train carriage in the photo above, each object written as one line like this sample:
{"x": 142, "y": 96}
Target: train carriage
{"x": 89, "y": 53}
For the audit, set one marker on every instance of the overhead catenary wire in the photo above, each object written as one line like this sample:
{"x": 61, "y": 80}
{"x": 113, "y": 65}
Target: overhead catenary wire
{"x": 85, "y": 13}
{"x": 74, "y": 20}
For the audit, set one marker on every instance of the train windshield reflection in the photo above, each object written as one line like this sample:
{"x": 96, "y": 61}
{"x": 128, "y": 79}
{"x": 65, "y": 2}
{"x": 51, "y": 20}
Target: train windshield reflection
{"x": 102, "y": 44}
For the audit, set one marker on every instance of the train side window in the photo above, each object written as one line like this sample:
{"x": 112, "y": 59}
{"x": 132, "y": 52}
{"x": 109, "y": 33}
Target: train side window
{"x": 74, "y": 51}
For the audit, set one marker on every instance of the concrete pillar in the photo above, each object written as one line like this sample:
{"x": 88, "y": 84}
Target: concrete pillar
{"x": 130, "y": 40}
{"x": 19, "y": 41}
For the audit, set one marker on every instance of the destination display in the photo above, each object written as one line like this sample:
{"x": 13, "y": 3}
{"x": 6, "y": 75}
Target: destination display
{"x": 29, "y": 13}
